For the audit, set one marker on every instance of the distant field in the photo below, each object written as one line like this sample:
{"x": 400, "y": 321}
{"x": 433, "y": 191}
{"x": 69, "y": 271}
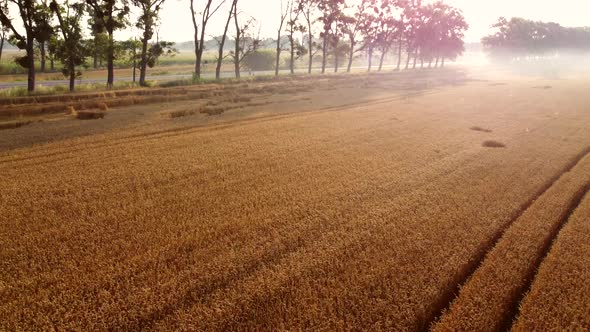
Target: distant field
{"x": 385, "y": 202}
{"x": 180, "y": 63}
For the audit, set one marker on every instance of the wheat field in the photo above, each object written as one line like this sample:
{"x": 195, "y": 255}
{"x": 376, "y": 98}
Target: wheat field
{"x": 324, "y": 214}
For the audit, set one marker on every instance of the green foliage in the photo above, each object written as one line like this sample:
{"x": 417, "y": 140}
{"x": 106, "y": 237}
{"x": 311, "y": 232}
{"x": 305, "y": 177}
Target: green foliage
{"x": 110, "y": 15}
{"x": 71, "y": 50}
{"x": 159, "y": 49}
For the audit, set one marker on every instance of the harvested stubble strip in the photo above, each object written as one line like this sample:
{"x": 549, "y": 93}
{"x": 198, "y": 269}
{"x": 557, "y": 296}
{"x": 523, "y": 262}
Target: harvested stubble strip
{"x": 559, "y": 299}
{"x": 489, "y": 299}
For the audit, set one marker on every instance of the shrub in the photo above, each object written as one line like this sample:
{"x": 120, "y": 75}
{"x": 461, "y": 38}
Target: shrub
{"x": 260, "y": 60}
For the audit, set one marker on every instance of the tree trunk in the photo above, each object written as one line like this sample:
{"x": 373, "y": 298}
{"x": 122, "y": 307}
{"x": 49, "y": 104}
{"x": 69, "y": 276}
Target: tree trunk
{"x": 430, "y": 63}
{"x": 110, "y": 61}
{"x": 382, "y": 59}
{"x": 442, "y": 64}
{"x": 436, "y": 64}
{"x": 278, "y": 59}
{"x": 336, "y": 58}
{"x": 52, "y": 63}
{"x": 95, "y": 53}
{"x": 143, "y": 60}
{"x": 2, "y": 45}
{"x": 222, "y": 44}
{"x": 324, "y": 51}
{"x": 134, "y": 65}
{"x": 42, "y": 48}
{"x": 292, "y": 63}
{"x": 201, "y": 48}
{"x": 415, "y": 59}
{"x": 30, "y": 63}
{"x": 197, "y": 40}
{"x": 399, "y": 53}
{"x": 421, "y": 63}
{"x": 310, "y": 45}
{"x": 72, "y": 68}
{"x": 370, "y": 58}
{"x": 237, "y": 58}
{"x": 408, "y": 60}
{"x": 350, "y": 56}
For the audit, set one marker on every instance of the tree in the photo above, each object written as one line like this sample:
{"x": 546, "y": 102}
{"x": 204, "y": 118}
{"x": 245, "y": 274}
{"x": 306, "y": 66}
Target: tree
{"x": 331, "y": 11}
{"x": 220, "y": 56}
{"x": 369, "y": 28}
{"x": 296, "y": 49}
{"x": 352, "y": 28}
{"x": 27, "y": 10}
{"x": 44, "y": 30}
{"x": 150, "y": 11}
{"x": 4, "y": 30}
{"x": 208, "y": 11}
{"x": 132, "y": 48}
{"x": 521, "y": 39}
{"x": 112, "y": 15}
{"x": 100, "y": 39}
{"x": 452, "y": 32}
{"x": 52, "y": 45}
{"x": 244, "y": 44}
{"x": 338, "y": 49}
{"x": 283, "y": 17}
{"x": 70, "y": 51}
{"x": 387, "y": 27}
{"x": 412, "y": 14}
{"x": 307, "y": 8}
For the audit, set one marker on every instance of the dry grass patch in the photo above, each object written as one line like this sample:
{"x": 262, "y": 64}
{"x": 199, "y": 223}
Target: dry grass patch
{"x": 14, "y": 125}
{"x": 103, "y": 107}
{"x": 476, "y": 128}
{"x": 241, "y": 99}
{"x": 89, "y": 115}
{"x": 180, "y": 113}
{"x": 493, "y": 144}
{"x": 214, "y": 110}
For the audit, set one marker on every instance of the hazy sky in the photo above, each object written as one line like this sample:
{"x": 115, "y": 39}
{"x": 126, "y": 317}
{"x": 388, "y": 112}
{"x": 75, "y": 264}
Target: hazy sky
{"x": 480, "y": 14}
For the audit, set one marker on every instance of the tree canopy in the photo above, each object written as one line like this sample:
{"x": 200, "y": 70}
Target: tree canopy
{"x": 519, "y": 36}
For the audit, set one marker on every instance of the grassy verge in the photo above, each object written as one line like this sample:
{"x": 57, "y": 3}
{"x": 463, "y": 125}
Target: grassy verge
{"x": 41, "y": 90}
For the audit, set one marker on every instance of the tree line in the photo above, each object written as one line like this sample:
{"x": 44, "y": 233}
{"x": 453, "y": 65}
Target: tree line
{"x": 335, "y": 31}
{"x": 519, "y": 37}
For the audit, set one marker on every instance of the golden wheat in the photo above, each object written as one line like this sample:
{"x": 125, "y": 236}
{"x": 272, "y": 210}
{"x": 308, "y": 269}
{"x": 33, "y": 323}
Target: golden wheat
{"x": 347, "y": 218}
{"x": 558, "y": 300}
{"x": 488, "y": 300}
